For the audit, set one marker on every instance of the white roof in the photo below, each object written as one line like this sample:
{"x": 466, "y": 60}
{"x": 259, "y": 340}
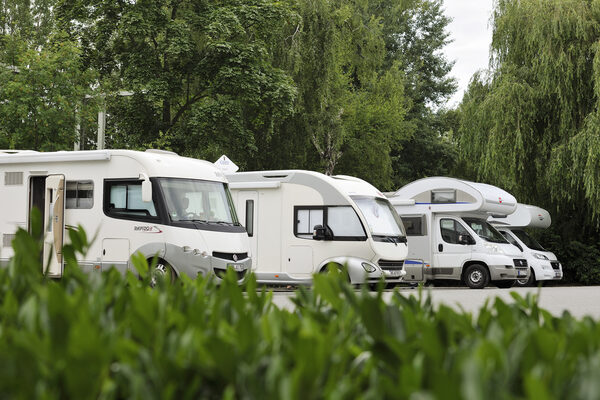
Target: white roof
{"x": 471, "y": 196}
{"x": 156, "y": 163}
{"x": 526, "y": 216}
{"x": 334, "y": 189}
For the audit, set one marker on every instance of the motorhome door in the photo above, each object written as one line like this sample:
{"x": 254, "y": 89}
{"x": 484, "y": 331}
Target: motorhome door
{"x": 449, "y": 253}
{"x": 247, "y": 207}
{"x": 54, "y": 225}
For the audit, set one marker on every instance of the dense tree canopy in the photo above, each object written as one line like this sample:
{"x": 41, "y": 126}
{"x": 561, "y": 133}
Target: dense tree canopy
{"x": 531, "y": 125}
{"x": 339, "y": 86}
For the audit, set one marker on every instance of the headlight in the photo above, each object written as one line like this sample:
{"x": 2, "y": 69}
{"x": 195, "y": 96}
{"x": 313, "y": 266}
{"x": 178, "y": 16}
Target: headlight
{"x": 540, "y": 256}
{"x": 492, "y": 248}
{"x": 369, "y": 267}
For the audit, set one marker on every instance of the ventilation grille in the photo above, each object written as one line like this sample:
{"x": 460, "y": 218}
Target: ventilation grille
{"x": 13, "y": 178}
{"x": 7, "y": 239}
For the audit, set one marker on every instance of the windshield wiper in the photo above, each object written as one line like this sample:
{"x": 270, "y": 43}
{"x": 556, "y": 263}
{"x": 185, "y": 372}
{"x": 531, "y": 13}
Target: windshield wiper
{"x": 392, "y": 239}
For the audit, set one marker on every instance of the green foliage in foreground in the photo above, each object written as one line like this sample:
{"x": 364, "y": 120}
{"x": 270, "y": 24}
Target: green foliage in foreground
{"x": 106, "y": 336}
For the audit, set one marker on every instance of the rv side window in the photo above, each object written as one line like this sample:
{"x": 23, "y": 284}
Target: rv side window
{"x": 443, "y": 196}
{"x": 250, "y": 217}
{"x": 125, "y": 200}
{"x": 306, "y": 219}
{"x": 343, "y": 222}
{"x": 415, "y": 226}
{"x": 451, "y": 229}
{"x": 80, "y": 194}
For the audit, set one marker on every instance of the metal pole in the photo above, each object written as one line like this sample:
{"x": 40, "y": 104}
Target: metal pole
{"x": 77, "y": 145}
{"x": 101, "y": 126}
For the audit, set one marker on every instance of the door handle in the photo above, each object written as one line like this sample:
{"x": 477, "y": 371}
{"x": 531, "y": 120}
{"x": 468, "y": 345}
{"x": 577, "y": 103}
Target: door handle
{"x": 440, "y": 247}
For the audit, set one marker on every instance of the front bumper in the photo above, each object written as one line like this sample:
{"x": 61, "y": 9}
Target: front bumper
{"x": 194, "y": 263}
{"x": 548, "y": 271}
{"x": 518, "y": 269}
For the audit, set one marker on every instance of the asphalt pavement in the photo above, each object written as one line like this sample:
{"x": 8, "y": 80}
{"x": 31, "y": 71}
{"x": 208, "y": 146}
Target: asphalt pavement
{"x": 579, "y": 301}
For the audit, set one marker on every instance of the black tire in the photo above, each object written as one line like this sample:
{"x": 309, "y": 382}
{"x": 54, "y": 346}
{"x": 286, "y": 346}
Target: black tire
{"x": 530, "y": 281}
{"x": 325, "y": 269}
{"x": 164, "y": 269}
{"x": 505, "y": 284}
{"x": 476, "y": 276}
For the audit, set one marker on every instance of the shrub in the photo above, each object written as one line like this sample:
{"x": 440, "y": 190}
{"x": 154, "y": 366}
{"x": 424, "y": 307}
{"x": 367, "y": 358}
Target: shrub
{"x": 107, "y": 336}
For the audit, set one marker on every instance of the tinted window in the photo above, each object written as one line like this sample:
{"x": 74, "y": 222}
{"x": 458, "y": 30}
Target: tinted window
{"x": 528, "y": 240}
{"x": 125, "y": 200}
{"x": 443, "y": 196}
{"x": 80, "y": 194}
{"x": 415, "y": 226}
{"x": 451, "y": 230}
{"x": 306, "y": 219}
{"x": 485, "y": 230}
{"x": 343, "y": 222}
{"x": 250, "y": 217}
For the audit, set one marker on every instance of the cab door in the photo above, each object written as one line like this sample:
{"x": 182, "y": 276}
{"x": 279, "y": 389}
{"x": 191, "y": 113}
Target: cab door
{"x": 54, "y": 226}
{"x": 449, "y": 253}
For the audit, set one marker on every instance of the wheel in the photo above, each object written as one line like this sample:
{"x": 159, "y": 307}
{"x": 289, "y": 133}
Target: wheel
{"x": 162, "y": 269}
{"x": 505, "y": 284}
{"x": 476, "y": 276}
{"x": 529, "y": 281}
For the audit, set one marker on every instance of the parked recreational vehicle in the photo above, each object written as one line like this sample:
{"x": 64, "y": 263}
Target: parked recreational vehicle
{"x": 152, "y": 202}
{"x": 543, "y": 264}
{"x": 301, "y": 221}
{"x": 445, "y": 221}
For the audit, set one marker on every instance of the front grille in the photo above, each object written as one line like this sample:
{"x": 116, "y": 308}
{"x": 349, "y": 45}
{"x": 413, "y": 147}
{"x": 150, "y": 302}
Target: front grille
{"x": 520, "y": 262}
{"x": 555, "y": 264}
{"x": 222, "y": 272}
{"x": 229, "y": 256}
{"x": 391, "y": 264}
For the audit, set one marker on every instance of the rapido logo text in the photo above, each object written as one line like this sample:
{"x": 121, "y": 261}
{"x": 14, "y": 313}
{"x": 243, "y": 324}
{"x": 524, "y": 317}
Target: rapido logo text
{"x": 147, "y": 228}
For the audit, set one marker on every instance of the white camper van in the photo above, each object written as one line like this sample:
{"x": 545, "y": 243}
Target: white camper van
{"x": 446, "y": 226}
{"x": 543, "y": 264}
{"x": 300, "y": 221}
{"x": 153, "y": 202}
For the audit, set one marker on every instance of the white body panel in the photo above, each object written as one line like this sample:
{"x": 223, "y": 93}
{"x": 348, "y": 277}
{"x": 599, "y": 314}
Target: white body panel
{"x": 544, "y": 263}
{"x": 188, "y": 251}
{"x": 445, "y": 258}
{"x": 525, "y": 216}
{"x": 283, "y": 255}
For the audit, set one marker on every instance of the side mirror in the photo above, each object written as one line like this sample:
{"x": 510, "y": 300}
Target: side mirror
{"x": 465, "y": 239}
{"x": 321, "y": 232}
{"x": 146, "y": 188}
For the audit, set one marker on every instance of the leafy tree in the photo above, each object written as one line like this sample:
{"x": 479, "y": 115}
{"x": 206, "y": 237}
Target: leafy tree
{"x": 42, "y": 86}
{"x": 532, "y": 126}
{"x": 415, "y": 34}
{"x": 201, "y": 72}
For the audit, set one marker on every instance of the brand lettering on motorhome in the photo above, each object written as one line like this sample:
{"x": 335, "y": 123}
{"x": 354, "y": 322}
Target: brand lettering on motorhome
{"x": 146, "y": 228}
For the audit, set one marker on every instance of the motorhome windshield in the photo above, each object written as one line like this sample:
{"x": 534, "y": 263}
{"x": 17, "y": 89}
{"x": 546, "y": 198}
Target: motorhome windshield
{"x": 198, "y": 201}
{"x": 382, "y": 219}
{"x": 528, "y": 240}
{"x": 485, "y": 230}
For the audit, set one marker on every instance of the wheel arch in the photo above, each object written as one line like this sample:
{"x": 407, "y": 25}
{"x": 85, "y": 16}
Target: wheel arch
{"x": 467, "y": 264}
{"x": 151, "y": 250}
{"x": 356, "y": 273}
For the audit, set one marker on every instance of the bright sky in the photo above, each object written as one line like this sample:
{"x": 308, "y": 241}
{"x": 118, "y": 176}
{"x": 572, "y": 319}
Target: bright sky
{"x": 471, "y": 35}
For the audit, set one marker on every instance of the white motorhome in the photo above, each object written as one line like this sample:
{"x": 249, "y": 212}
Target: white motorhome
{"x": 543, "y": 264}
{"x": 301, "y": 221}
{"x": 152, "y": 202}
{"x": 445, "y": 221}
